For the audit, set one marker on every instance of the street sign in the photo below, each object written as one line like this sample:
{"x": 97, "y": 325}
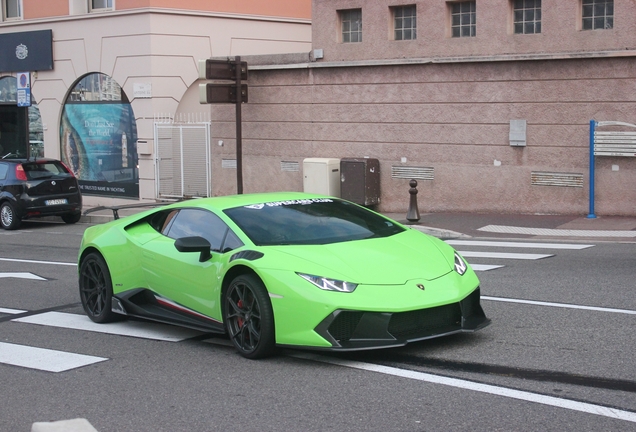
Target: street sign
{"x": 24, "y": 89}
{"x": 221, "y": 70}
{"x": 221, "y": 93}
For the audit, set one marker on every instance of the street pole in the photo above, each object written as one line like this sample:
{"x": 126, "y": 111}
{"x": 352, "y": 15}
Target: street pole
{"x": 239, "y": 131}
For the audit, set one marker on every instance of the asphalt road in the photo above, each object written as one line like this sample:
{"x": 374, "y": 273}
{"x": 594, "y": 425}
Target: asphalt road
{"x": 558, "y": 356}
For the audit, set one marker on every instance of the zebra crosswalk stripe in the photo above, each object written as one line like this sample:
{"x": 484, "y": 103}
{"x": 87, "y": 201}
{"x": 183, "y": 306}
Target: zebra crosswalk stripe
{"x": 519, "y": 256}
{"x": 44, "y": 359}
{"x": 564, "y": 246}
{"x": 485, "y": 267}
{"x": 504, "y": 255}
{"x": 139, "y": 329}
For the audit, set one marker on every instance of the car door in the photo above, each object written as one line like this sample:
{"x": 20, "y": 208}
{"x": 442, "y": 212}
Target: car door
{"x": 180, "y": 276}
{"x": 4, "y": 168}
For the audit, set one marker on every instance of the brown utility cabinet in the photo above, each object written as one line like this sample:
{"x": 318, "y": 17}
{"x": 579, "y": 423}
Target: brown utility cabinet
{"x": 360, "y": 180}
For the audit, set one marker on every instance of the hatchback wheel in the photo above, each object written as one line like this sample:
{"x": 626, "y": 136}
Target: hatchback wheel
{"x": 8, "y": 217}
{"x": 96, "y": 289}
{"x": 249, "y": 317}
{"x": 71, "y": 218}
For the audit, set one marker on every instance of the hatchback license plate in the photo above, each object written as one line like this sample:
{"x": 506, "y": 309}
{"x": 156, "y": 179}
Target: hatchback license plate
{"x": 56, "y": 201}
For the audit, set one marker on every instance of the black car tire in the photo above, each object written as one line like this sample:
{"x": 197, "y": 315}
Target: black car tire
{"x": 249, "y": 317}
{"x": 96, "y": 289}
{"x": 71, "y": 218}
{"x": 9, "y": 219}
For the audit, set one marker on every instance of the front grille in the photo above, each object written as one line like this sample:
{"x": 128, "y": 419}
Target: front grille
{"x": 402, "y": 325}
{"x": 424, "y": 322}
{"x": 343, "y": 326}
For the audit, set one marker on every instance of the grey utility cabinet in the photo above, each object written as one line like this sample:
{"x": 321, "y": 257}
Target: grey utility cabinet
{"x": 360, "y": 180}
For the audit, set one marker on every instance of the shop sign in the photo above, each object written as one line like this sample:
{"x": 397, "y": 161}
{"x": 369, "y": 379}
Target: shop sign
{"x": 31, "y": 51}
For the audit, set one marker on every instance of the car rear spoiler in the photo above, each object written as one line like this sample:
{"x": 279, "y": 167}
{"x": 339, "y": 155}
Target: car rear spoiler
{"x": 115, "y": 209}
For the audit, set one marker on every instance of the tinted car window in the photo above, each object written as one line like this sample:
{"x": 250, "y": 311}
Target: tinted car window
{"x": 4, "y": 168}
{"x": 197, "y": 222}
{"x": 39, "y": 170}
{"x": 313, "y": 221}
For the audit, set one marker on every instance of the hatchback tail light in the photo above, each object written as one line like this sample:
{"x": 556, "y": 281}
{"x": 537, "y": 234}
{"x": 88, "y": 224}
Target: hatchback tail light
{"x": 68, "y": 169}
{"x": 19, "y": 172}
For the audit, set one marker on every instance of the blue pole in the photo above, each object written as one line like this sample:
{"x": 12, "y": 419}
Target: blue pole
{"x": 591, "y": 215}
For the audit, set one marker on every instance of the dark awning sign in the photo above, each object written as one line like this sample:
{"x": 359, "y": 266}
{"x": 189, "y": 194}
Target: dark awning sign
{"x": 26, "y": 51}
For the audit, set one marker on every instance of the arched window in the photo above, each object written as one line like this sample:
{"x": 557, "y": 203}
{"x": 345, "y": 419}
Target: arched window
{"x": 98, "y": 136}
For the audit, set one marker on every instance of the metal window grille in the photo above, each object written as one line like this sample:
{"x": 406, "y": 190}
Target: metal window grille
{"x": 412, "y": 172}
{"x": 556, "y": 179}
{"x": 598, "y": 14}
{"x": 405, "y": 22}
{"x": 527, "y": 16}
{"x": 463, "y": 19}
{"x": 351, "y": 25}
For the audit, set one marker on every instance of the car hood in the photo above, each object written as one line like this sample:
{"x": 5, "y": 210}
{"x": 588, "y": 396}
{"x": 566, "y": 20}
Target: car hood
{"x": 381, "y": 261}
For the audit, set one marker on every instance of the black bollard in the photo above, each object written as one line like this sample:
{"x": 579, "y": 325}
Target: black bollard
{"x": 413, "y": 215}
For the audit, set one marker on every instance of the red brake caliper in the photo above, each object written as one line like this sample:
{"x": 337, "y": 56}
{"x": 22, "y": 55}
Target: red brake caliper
{"x": 240, "y": 320}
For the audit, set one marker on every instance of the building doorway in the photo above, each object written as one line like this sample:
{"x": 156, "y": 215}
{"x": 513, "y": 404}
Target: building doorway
{"x": 21, "y": 133}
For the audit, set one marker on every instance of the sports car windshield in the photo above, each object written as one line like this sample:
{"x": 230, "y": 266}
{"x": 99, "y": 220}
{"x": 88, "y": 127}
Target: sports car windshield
{"x": 309, "y": 221}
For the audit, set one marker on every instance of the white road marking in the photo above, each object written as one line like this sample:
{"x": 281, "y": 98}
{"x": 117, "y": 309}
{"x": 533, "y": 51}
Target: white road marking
{"x": 44, "y": 359}
{"x": 555, "y": 232}
{"x": 21, "y": 276}
{"x": 11, "y": 311}
{"x": 10, "y": 233}
{"x": 484, "y": 267}
{"x": 138, "y": 329}
{"x": 38, "y": 262}
{"x": 518, "y": 244}
{"x": 560, "y": 305}
{"x": 503, "y": 255}
{"x": 483, "y": 388}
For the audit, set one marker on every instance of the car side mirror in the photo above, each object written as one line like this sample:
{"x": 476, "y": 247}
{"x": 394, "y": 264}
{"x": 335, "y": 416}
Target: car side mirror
{"x": 194, "y": 244}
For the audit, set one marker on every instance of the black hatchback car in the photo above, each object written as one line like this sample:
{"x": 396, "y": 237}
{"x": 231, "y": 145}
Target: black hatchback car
{"x": 32, "y": 188}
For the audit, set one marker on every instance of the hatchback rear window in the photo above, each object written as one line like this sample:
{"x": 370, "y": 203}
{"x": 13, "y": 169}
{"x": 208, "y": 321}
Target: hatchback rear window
{"x": 41, "y": 170}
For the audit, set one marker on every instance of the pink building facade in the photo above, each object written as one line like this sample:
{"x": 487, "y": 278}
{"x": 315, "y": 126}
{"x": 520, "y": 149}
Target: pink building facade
{"x": 486, "y": 103}
{"x": 110, "y": 78}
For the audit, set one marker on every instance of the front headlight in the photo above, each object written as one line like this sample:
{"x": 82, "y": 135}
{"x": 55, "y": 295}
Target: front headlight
{"x": 460, "y": 264}
{"x": 329, "y": 284}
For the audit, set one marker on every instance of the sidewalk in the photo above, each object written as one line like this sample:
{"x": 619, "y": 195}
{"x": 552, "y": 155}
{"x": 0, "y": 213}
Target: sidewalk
{"x": 520, "y": 226}
{"x": 491, "y": 225}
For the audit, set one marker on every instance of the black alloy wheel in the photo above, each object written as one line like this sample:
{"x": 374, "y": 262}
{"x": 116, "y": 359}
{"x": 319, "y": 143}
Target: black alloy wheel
{"x": 9, "y": 220}
{"x": 249, "y": 317}
{"x": 96, "y": 289}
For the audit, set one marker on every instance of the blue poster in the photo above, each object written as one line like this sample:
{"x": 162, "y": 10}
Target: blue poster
{"x": 99, "y": 146}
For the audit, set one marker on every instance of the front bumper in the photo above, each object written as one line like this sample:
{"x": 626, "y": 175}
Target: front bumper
{"x": 359, "y": 330}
